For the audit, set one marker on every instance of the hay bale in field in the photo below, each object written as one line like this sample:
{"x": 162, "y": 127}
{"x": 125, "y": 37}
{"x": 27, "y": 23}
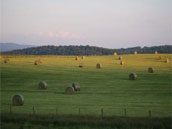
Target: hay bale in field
{"x": 76, "y": 58}
{"x": 160, "y": 57}
{"x": 115, "y": 54}
{"x": 120, "y": 58}
{"x": 156, "y": 52}
{"x": 132, "y": 76}
{"x": 83, "y": 57}
{"x": 76, "y": 86}
{"x": 69, "y": 90}
{"x": 81, "y": 65}
{"x": 6, "y": 60}
{"x": 98, "y": 66}
{"x": 0, "y": 57}
{"x": 18, "y": 100}
{"x": 167, "y": 60}
{"x": 122, "y": 62}
{"x": 150, "y": 69}
{"x": 42, "y": 85}
{"x": 36, "y": 62}
{"x": 135, "y": 53}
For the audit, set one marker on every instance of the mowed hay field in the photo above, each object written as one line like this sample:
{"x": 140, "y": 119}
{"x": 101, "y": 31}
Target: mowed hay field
{"x": 108, "y": 88}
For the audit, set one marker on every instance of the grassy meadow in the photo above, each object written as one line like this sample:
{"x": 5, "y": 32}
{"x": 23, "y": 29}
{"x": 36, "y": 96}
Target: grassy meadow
{"x": 108, "y": 88}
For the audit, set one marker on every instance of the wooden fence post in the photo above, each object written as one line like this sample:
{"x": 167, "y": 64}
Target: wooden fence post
{"x": 33, "y": 110}
{"x": 10, "y": 109}
{"x": 102, "y": 113}
{"x": 150, "y": 113}
{"x": 79, "y": 111}
{"x": 125, "y": 112}
{"x": 56, "y": 111}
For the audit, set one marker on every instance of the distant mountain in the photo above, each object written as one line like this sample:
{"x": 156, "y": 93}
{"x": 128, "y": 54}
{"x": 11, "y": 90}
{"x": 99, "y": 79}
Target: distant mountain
{"x": 12, "y": 46}
{"x": 86, "y": 50}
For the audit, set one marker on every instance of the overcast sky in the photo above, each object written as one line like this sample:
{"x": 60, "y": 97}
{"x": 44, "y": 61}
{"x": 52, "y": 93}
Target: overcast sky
{"x": 104, "y": 23}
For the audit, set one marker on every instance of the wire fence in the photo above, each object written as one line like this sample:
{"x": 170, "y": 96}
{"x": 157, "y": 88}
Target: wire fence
{"x": 81, "y": 111}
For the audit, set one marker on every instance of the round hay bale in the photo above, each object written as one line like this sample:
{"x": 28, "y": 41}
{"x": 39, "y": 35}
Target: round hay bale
{"x": 6, "y": 60}
{"x": 76, "y": 86}
{"x": 83, "y": 57}
{"x": 132, "y": 76}
{"x": 135, "y": 53}
{"x": 160, "y": 57}
{"x": 69, "y": 90}
{"x": 36, "y": 62}
{"x": 18, "y": 100}
{"x": 122, "y": 62}
{"x": 120, "y": 58}
{"x": 150, "y": 69}
{"x": 167, "y": 60}
{"x": 156, "y": 52}
{"x": 42, "y": 85}
{"x": 81, "y": 65}
{"x": 98, "y": 66}
{"x": 115, "y": 54}
{"x": 76, "y": 58}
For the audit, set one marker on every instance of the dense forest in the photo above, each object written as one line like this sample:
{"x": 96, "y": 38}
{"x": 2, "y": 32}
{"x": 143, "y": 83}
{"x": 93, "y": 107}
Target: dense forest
{"x": 86, "y": 50}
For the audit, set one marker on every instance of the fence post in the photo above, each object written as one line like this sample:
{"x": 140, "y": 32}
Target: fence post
{"x": 150, "y": 113}
{"x": 125, "y": 112}
{"x": 102, "y": 113}
{"x": 10, "y": 108}
{"x": 56, "y": 111}
{"x": 33, "y": 110}
{"x": 79, "y": 111}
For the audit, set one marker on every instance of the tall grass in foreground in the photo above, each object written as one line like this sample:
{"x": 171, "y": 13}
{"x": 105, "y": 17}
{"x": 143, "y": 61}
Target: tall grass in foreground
{"x": 25, "y": 121}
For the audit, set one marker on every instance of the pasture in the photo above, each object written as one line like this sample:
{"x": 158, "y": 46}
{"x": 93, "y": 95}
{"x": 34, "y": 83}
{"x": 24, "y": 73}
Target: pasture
{"x": 108, "y": 88}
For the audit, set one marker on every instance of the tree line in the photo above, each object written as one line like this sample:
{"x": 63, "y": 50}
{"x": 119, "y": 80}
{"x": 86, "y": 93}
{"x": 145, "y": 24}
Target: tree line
{"x": 86, "y": 50}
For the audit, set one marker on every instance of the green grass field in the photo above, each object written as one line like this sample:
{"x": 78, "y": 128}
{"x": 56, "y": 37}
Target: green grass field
{"x": 108, "y": 88}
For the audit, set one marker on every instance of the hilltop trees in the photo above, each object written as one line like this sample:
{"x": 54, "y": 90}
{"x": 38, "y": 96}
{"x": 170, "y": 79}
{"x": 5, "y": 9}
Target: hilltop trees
{"x": 87, "y": 50}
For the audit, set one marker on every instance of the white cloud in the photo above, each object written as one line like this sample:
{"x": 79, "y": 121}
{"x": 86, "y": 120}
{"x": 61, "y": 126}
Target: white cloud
{"x": 60, "y": 35}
